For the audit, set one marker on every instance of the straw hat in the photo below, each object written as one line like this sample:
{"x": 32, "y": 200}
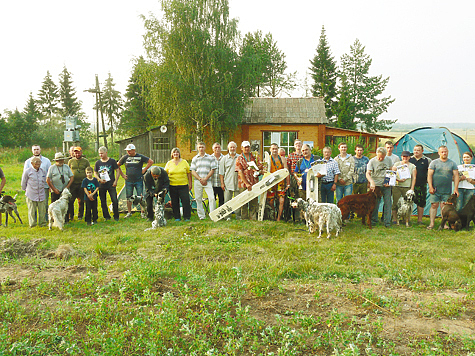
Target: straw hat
{"x": 59, "y": 156}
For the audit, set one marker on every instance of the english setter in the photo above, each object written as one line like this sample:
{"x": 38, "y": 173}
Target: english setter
{"x": 405, "y": 206}
{"x": 320, "y": 214}
{"x": 160, "y": 220}
{"x": 140, "y": 200}
{"x": 58, "y": 209}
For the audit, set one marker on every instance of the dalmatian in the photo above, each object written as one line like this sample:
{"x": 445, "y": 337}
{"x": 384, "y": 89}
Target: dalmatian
{"x": 320, "y": 215}
{"x": 159, "y": 208}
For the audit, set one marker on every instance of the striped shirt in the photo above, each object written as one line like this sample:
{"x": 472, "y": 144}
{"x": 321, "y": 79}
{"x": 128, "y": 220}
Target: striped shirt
{"x": 202, "y": 165}
{"x": 216, "y": 180}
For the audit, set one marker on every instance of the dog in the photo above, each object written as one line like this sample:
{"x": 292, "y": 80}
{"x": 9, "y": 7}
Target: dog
{"x": 140, "y": 200}
{"x": 320, "y": 214}
{"x": 8, "y": 206}
{"x": 449, "y": 214}
{"x": 160, "y": 220}
{"x": 361, "y": 204}
{"x": 467, "y": 213}
{"x": 58, "y": 209}
{"x": 405, "y": 206}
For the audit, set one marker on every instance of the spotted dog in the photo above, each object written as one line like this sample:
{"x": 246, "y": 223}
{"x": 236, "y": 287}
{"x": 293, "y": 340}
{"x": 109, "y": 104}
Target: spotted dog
{"x": 320, "y": 215}
{"x": 160, "y": 220}
{"x": 405, "y": 206}
{"x": 8, "y": 206}
{"x": 140, "y": 200}
{"x": 58, "y": 209}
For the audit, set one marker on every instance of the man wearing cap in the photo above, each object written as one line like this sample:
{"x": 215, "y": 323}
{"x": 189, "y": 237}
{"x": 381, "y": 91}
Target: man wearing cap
{"x": 202, "y": 169}
{"x": 402, "y": 184}
{"x": 58, "y": 178}
{"x": 134, "y": 172}
{"x": 45, "y": 164}
{"x": 156, "y": 179}
{"x": 247, "y": 177}
{"x": 104, "y": 171}
{"x": 78, "y": 165}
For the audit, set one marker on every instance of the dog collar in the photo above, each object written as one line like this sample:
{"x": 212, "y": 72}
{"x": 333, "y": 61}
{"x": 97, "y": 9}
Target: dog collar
{"x": 445, "y": 203}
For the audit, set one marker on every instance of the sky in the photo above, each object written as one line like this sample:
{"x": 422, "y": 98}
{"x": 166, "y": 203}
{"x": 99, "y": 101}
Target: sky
{"x": 425, "y": 47}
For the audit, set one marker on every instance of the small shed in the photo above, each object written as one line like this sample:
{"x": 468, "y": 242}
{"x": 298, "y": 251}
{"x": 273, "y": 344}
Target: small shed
{"x": 155, "y": 143}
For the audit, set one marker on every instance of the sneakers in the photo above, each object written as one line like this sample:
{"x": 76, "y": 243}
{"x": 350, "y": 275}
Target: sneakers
{"x": 177, "y": 219}
{"x": 128, "y": 215}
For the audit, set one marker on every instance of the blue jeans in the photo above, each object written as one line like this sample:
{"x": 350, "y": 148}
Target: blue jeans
{"x": 343, "y": 191}
{"x": 327, "y": 193}
{"x": 129, "y": 188}
{"x": 386, "y": 208}
{"x": 464, "y": 197}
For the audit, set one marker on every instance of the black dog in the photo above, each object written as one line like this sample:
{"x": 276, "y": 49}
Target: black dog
{"x": 8, "y": 206}
{"x": 467, "y": 213}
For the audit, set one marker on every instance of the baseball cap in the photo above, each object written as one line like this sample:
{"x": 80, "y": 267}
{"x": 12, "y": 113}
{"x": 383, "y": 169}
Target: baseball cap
{"x": 77, "y": 148}
{"x": 130, "y": 146}
{"x": 245, "y": 144}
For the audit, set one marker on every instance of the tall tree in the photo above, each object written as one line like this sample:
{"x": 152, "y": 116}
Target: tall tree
{"x": 192, "y": 67}
{"x": 31, "y": 113}
{"x": 48, "y": 97}
{"x": 344, "y": 108}
{"x": 137, "y": 116}
{"x": 324, "y": 74}
{"x": 278, "y": 81}
{"x": 112, "y": 104}
{"x": 70, "y": 105}
{"x": 365, "y": 90}
{"x": 19, "y": 128}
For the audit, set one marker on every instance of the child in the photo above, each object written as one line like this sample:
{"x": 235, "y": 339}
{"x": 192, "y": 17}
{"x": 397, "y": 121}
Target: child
{"x": 90, "y": 185}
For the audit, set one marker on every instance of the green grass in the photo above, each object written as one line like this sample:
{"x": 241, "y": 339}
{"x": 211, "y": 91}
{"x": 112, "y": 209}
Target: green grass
{"x": 235, "y": 288}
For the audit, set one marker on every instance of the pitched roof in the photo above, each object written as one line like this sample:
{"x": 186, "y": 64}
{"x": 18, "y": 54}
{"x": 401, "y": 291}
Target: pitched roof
{"x": 285, "y": 111}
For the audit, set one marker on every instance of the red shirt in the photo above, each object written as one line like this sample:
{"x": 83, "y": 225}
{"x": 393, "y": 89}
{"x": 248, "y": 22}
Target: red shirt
{"x": 243, "y": 166}
{"x": 292, "y": 160}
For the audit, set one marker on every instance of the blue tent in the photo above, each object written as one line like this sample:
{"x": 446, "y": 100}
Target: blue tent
{"x": 431, "y": 138}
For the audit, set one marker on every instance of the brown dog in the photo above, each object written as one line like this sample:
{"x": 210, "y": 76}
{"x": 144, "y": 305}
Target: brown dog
{"x": 449, "y": 214}
{"x": 361, "y": 204}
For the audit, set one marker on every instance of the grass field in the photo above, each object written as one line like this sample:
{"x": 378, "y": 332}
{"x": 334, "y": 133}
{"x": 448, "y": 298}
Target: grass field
{"x": 233, "y": 288}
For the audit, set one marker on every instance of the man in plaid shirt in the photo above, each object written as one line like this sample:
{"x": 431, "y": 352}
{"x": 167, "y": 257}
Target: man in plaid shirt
{"x": 202, "y": 169}
{"x": 218, "y": 191}
{"x": 330, "y": 179}
{"x": 294, "y": 156}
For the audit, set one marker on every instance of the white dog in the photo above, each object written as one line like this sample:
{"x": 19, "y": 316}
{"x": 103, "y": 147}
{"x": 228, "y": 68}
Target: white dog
{"x": 405, "y": 206}
{"x": 58, "y": 209}
{"x": 160, "y": 220}
{"x": 140, "y": 200}
{"x": 320, "y": 214}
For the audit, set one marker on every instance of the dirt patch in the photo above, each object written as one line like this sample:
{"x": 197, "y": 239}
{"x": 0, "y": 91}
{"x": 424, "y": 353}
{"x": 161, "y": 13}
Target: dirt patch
{"x": 17, "y": 248}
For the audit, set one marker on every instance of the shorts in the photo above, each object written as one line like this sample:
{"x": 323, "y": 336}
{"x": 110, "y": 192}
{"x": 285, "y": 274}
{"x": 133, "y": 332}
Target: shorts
{"x": 438, "y": 198}
{"x": 129, "y": 188}
{"x": 420, "y": 195}
{"x": 280, "y": 190}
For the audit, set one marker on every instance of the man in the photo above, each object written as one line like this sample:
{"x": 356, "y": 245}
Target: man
{"x": 247, "y": 177}
{"x": 302, "y": 166}
{"x": 295, "y": 156}
{"x": 228, "y": 175}
{"x": 105, "y": 171}
{"x": 32, "y": 182}
{"x": 420, "y": 189}
{"x": 360, "y": 185}
{"x": 78, "y": 165}
{"x": 156, "y": 180}
{"x": 134, "y": 172}
{"x": 59, "y": 177}
{"x": 402, "y": 184}
{"x": 2, "y": 185}
{"x": 45, "y": 164}
{"x": 376, "y": 173}
{"x": 440, "y": 175}
{"x": 202, "y": 169}
{"x": 330, "y": 179}
{"x": 346, "y": 165}
{"x": 279, "y": 190}
{"x": 218, "y": 191}
{"x": 389, "y": 148}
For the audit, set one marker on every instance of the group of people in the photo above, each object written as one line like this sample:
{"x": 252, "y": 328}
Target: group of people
{"x": 223, "y": 177}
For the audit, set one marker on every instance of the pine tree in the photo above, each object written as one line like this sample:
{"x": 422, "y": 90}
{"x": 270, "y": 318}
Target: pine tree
{"x": 344, "y": 109}
{"x": 324, "y": 74}
{"x": 19, "y": 128}
{"x": 70, "y": 105}
{"x": 48, "y": 97}
{"x": 112, "y": 104}
{"x": 31, "y": 113}
{"x": 365, "y": 90}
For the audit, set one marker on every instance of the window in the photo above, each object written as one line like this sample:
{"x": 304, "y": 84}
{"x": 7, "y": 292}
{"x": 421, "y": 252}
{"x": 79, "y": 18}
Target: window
{"x": 161, "y": 143}
{"x": 283, "y": 139}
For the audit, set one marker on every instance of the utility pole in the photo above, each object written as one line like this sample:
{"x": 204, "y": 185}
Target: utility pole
{"x": 97, "y": 91}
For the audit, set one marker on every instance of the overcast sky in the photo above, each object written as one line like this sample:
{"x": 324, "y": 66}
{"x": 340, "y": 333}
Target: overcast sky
{"x": 425, "y": 47}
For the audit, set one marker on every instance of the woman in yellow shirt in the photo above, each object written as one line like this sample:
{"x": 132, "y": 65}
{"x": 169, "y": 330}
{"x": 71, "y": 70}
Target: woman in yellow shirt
{"x": 179, "y": 174}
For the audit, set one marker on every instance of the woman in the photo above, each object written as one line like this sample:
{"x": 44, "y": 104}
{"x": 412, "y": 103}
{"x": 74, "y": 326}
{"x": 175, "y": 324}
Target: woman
{"x": 178, "y": 171}
{"x": 466, "y": 184}
{"x": 33, "y": 183}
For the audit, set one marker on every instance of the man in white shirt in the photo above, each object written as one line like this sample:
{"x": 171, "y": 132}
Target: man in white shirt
{"x": 228, "y": 175}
